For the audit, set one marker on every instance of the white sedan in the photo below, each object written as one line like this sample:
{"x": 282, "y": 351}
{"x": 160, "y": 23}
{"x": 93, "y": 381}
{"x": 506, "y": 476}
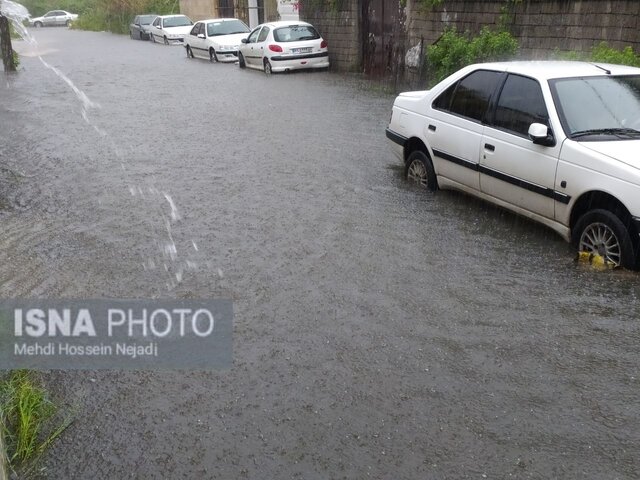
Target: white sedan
{"x": 216, "y": 39}
{"x": 283, "y": 46}
{"x": 53, "y": 18}
{"x": 170, "y": 29}
{"x": 557, "y": 142}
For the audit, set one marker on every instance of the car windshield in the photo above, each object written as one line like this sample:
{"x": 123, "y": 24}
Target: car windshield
{"x": 146, "y": 19}
{"x": 295, "y": 33}
{"x": 226, "y": 28}
{"x": 595, "y": 106}
{"x": 177, "y": 22}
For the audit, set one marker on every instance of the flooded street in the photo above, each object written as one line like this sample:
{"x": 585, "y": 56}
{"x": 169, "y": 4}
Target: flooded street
{"x": 379, "y": 331}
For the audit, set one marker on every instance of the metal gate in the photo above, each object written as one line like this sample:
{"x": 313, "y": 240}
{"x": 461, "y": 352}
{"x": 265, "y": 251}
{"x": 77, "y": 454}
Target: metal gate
{"x": 225, "y": 8}
{"x": 383, "y": 37}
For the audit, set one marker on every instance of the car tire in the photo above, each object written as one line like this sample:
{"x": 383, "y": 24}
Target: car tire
{"x": 213, "y": 58}
{"x": 189, "y": 52}
{"x": 38, "y": 24}
{"x": 131, "y": 35}
{"x": 68, "y": 23}
{"x": 152, "y": 38}
{"x": 241, "y": 62}
{"x": 419, "y": 169}
{"x": 166, "y": 40}
{"x": 603, "y": 233}
{"x": 141, "y": 36}
{"x": 267, "y": 67}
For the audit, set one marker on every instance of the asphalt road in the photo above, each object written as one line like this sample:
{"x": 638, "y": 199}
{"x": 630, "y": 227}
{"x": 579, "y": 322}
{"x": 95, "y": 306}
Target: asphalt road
{"x": 380, "y": 331}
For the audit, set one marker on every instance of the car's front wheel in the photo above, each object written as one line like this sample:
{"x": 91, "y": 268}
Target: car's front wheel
{"x": 189, "y": 52}
{"x": 152, "y": 38}
{"x": 141, "y": 36}
{"x": 130, "y": 34}
{"x": 601, "y": 232}
{"x": 166, "y": 41}
{"x": 38, "y": 24}
{"x": 68, "y": 23}
{"x": 241, "y": 62}
{"x": 419, "y": 169}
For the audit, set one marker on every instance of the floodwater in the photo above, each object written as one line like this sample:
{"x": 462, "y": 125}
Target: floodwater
{"x": 380, "y": 331}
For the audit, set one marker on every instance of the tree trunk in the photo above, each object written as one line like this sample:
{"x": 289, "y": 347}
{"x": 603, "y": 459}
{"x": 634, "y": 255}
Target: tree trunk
{"x": 6, "y": 48}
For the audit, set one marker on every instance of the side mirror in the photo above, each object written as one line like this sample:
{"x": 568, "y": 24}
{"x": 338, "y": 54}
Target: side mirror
{"x": 244, "y": 40}
{"x": 201, "y": 35}
{"x": 541, "y": 135}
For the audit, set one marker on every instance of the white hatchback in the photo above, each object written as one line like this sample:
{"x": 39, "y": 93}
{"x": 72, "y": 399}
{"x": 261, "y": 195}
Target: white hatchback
{"x": 217, "y": 39}
{"x": 557, "y": 142}
{"x": 170, "y": 29}
{"x": 283, "y": 46}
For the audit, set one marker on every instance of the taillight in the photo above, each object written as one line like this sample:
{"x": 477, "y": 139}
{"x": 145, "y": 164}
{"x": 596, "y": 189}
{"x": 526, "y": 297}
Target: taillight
{"x": 323, "y": 44}
{"x": 275, "y": 48}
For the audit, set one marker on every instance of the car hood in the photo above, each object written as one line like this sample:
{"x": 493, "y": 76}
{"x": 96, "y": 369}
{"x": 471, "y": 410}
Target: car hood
{"x": 625, "y": 151}
{"x": 231, "y": 40}
{"x": 178, "y": 30}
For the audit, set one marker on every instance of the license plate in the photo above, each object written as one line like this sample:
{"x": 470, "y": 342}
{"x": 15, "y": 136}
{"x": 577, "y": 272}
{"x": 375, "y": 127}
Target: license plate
{"x": 301, "y": 50}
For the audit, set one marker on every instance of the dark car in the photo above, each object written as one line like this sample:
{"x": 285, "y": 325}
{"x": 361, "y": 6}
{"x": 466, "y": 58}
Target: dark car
{"x": 139, "y": 28}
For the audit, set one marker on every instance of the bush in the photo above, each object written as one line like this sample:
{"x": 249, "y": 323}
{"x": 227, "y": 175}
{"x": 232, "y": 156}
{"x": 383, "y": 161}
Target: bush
{"x": 454, "y": 51}
{"x": 602, "y": 53}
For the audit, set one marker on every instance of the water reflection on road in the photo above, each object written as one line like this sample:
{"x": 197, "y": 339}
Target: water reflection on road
{"x": 380, "y": 332}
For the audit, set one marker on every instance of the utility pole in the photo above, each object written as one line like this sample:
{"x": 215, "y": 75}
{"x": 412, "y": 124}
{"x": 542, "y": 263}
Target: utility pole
{"x": 5, "y": 43}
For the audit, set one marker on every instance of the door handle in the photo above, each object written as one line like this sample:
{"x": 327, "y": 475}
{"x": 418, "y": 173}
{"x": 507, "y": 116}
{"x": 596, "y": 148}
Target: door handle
{"x": 488, "y": 146}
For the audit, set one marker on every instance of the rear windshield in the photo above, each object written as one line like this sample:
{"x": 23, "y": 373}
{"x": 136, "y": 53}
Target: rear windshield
{"x": 226, "y": 28}
{"x": 295, "y": 33}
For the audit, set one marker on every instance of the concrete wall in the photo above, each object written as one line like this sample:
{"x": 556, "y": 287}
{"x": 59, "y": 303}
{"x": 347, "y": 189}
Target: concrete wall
{"x": 541, "y": 26}
{"x": 199, "y": 9}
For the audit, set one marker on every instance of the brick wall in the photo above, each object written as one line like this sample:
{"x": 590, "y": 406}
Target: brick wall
{"x": 340, "y": 26}
{"x": 541, "y": 26}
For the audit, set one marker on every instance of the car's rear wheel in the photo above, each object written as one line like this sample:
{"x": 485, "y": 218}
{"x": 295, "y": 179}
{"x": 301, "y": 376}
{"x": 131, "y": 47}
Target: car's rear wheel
{"x": 241, "y": 63}
{"x": 38, "y": 24}
{"x": 419, "y": 169}
{"x": 603, "y": 233}
{"x": 212, "y": 56}
{"x": 267, "y": 67}
{"x": 189, "y": 52}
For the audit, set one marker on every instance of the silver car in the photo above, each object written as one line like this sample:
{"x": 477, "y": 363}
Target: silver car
{"x": 54, "y": 18}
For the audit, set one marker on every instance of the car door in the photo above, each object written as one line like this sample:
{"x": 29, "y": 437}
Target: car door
{"x": 455, "y": 127}
{"x": 512, "y": 168}
{"x": 249, "y": 50}
{"x": 261, "y": 45}
{"x": 154, "y": 30}
{"x": 192, "y": 40}
{"x": 49, "y": 19}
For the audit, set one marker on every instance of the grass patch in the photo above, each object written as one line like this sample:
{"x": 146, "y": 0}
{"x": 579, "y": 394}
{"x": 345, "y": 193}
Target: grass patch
{"x": 29, "y": 419}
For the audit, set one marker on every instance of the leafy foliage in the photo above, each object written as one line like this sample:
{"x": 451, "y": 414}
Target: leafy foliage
{"x": 454, "y": 50}
{"x": 99, "y": 15}
{"x": 602, "y": 53}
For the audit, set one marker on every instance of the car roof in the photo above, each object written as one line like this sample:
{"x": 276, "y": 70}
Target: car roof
{"x": 284, "y": 23}
{"x": 171, "y": 16}
{"x": 209, "y": 20}
{"x": 550, "y": 69}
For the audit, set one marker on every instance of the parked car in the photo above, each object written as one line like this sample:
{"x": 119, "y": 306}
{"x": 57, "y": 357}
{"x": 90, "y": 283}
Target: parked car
{"x": 139, "y": 28}
{"x": 283, "y": 46}
{"x": 170, "y": 29}
{"x": 54, "y": 18}
{"x": 217, "y": 39}
{"x": 557, "y": 142}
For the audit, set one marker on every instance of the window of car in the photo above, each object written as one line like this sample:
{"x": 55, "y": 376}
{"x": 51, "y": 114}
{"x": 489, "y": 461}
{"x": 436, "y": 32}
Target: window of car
{"x": 179, "y": 21}
{"x": 51, "y": 14}
{"x": 598, "y": 108}
{"x": 263, "y": 34}
{"x": 295, "y": 33}
{"x": 156, "y": 22}
{"x": 254, "y": 35}
{"x": 470, "y": 96}
{"x": 196, "y": 29}
{"x": 520, "y": 104}
{"x": 146, "y": 19}
{"x": 228, "y": 27}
